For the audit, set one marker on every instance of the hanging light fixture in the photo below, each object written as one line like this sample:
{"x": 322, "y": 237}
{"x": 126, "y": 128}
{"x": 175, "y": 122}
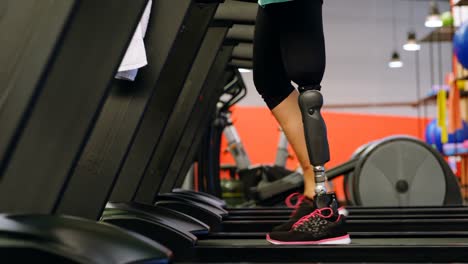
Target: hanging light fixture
{"x": 411, "y": 41}
{"x": 244, "y": 70}
{"x": 395, "y": 62}
{"x": 411, "y": 44}
{"x": 433, "y": 20}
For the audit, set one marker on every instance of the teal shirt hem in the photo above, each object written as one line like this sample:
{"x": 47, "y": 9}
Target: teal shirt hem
{"x": 266, "y": 2}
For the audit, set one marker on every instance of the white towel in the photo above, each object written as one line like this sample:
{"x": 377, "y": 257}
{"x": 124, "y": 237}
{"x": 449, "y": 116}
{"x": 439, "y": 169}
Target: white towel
{"x": 135, "y": 57}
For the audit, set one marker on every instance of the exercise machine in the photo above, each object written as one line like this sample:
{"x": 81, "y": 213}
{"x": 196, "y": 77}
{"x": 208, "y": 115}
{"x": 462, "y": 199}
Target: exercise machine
{"x": 59, "y": 58}
{"x": 254, "y": 179}
{"x": 421, "y": 178}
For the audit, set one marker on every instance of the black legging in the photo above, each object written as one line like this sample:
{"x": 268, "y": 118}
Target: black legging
{"x": 289, "y": 46}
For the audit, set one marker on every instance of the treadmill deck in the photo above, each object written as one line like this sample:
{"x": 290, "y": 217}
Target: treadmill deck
{"x": 452, "y": 241}
{"x": 445, "y": 249}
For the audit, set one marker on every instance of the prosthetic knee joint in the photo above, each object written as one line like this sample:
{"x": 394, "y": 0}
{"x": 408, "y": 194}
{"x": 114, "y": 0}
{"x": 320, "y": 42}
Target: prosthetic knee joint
{"x": 315, "y": 130}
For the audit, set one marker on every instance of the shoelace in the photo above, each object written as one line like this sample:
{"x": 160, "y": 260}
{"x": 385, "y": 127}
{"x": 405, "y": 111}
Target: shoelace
{"x": 300, "y": 198}
{"x": 318, "y": 212}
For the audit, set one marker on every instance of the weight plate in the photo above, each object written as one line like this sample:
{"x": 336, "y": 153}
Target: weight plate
{"x": 399, "y": 172}
{"x": 348, "y": 179}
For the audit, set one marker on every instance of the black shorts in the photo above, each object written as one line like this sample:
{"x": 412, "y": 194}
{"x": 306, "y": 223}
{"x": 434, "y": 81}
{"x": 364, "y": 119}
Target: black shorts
{"x": 289, "y": 45}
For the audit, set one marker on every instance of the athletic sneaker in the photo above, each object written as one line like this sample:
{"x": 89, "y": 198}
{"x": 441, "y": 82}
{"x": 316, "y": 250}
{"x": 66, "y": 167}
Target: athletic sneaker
{"x": 322, "y": 227}
{"x": 302, "y": 207}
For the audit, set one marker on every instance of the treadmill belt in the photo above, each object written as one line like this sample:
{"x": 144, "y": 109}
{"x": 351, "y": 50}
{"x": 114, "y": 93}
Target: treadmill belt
{"x": 356, "y": 241}
{"x": 446, "y": 249}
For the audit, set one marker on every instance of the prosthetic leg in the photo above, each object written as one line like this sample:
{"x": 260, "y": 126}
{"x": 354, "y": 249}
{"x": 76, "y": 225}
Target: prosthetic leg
{"x": 315, "y": 130}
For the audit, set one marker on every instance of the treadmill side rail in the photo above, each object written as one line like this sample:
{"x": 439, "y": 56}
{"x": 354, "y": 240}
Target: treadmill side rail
{"x": 194, "y": 209}
{"x": 200, "y": 199}
{"x": 55, "y": 239}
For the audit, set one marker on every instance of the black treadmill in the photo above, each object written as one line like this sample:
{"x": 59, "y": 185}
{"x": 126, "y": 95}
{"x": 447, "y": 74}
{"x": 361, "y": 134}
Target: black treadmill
{"x": 190, "y": 240}
{"x": 58, "y": 59}
{"x": 199, "y": 88}
{"x": 135, "y": 112}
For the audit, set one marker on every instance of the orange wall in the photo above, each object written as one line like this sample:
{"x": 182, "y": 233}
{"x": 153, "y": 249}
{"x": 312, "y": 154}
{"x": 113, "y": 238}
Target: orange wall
{"x": 259, "y": 132}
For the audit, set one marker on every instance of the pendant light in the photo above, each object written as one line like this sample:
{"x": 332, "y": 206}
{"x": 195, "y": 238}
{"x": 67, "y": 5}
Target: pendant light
{"x": 395, "y": 61}
{"x": 433, "y": 20}
{"x": 411, "y": 42}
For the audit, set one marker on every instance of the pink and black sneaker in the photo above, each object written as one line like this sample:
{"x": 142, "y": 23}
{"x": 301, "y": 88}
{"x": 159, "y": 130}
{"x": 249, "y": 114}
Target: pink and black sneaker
{"x": 302, "y": 207}
{"x": 321, "y": 227}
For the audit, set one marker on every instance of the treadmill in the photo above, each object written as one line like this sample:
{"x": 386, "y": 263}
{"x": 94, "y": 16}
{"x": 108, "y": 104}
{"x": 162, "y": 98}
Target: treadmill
{"x": 199, "y": 88}
{"x": 175, "y": 33}
{"x": 49, "y": 102}
{"x": 135, "y": 112}
{"x": 132, "y": 112}
{"x": 191, "y": 240}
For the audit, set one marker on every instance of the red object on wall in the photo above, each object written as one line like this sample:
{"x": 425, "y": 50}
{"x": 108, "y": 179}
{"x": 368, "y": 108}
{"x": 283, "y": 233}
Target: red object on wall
{"x": 258, "y": 130}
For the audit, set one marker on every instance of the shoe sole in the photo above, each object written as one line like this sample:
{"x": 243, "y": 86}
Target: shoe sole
{"x": 343, "y": 240}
